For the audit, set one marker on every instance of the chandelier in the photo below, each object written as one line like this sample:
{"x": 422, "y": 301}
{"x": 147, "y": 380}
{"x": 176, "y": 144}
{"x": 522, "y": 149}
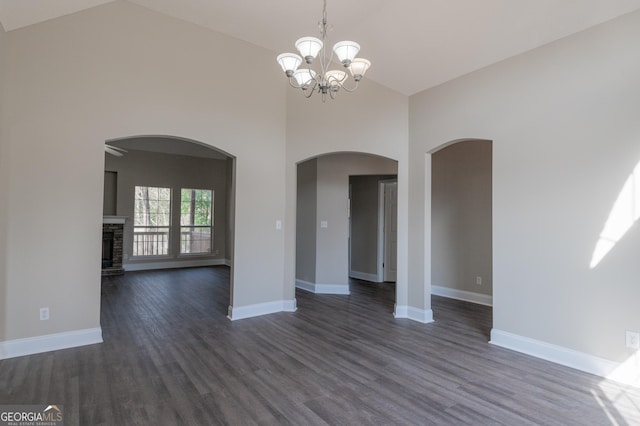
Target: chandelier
{"x": 323, "y": 81}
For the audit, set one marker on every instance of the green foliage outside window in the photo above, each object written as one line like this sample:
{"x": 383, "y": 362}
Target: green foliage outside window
{"x": 196, "y": 218}
{"x": 196, "y": 205}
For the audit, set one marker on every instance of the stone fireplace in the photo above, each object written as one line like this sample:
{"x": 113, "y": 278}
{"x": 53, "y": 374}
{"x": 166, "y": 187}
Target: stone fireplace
{"x": 112, "y": 238}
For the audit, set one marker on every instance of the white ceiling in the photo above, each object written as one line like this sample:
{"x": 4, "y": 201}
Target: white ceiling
{"x": 413, "y": 44}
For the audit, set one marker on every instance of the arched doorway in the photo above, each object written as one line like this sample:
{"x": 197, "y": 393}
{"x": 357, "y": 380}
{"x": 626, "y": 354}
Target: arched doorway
{"x": 461, "y": 221}
{"x": 174, "y": 199}
{"x": 325, "y": 255}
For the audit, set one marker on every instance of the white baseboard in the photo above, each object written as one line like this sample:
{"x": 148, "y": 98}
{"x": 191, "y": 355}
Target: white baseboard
{"x": 364, "y": 276}
{"x": 627, "y": 372}
{"x": 242, "y": 312}
{"x": 323, "y": 288}
{"x": 306, "y": 286}
{"x": 49, "y": 342}
{"x": 227, "y": 262}
{"x": 172, "y": 264}
{"x": 420, "y": 315}
{"x": 467, "y": 296}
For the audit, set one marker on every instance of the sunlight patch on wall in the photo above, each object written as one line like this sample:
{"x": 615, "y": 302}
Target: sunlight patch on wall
{"x": 625, "y": 212}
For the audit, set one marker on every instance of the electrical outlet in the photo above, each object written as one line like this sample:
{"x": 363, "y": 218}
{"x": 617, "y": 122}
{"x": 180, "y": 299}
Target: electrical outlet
{"x": 44, "y": 314}
{"x": 479, "y": 280}
{"x": 633, "y": 339}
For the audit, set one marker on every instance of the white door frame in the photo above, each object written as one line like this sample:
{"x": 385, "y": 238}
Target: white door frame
{"x": 381, "y": 217}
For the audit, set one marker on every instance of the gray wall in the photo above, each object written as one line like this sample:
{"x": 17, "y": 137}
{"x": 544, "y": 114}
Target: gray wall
{"x": 110, "y": 196}
{"x": 365, "y": 191}
{"x": 142, "y": 168}
{"x": 306, "y": 219}
{"x": 461, "y": 217}
{"x": 564, "y": 124}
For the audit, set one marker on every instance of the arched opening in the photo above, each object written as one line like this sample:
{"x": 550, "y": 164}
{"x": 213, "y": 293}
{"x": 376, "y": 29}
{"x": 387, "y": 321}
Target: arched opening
{"x": 169, "y": 203}
{"x": 461, "y": 222}
{"x": 340, "y": 216}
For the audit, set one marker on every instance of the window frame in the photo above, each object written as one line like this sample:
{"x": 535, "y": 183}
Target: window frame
{"x": 194, "y": 226}
{"x": 167, "y": 241}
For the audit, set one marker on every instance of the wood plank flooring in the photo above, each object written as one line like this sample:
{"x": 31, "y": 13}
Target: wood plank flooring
{"x": 171, "y": 356}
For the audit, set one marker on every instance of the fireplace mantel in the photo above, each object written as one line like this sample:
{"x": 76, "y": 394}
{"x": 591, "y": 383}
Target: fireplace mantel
{"x": 114, "y": 220}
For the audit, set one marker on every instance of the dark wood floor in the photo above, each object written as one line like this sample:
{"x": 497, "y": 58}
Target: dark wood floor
{"x": 171, "y": 356}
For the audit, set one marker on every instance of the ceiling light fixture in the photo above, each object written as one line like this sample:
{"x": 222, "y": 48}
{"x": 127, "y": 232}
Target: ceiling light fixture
{"x": 324, "y": 81}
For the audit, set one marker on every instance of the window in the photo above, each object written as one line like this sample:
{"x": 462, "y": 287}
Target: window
{"x": 152, "y": 221}
{"x": 196, "y": 218}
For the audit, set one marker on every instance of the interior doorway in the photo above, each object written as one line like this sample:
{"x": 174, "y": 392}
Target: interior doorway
{"x": 373, "y": 248}
{"x": 461, "y": 221}
{"x": 174, "y": 200}
{"x": 337, "y": 220}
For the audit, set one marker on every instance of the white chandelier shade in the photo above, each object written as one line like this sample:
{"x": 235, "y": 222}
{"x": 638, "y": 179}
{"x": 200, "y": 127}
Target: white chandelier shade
{"x": 346, "y": 51}
{"x": 289, "y": 62}
{"x": 304, "y": 76}
{"x": 336, "y": 76}
{"x": 324, "y": 81}
{"x": 358, "y": 67}
{"x": 309, "y": 47}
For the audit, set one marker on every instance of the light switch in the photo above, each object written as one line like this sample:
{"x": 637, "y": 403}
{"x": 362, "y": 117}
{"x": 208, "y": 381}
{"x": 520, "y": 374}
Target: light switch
{"x": 324, "y": 224}
{"x": 278, "y": 224}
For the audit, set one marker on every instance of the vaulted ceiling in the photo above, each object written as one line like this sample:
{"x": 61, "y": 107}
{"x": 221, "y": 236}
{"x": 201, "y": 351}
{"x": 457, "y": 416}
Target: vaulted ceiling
{"x": 413, "y": 44}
